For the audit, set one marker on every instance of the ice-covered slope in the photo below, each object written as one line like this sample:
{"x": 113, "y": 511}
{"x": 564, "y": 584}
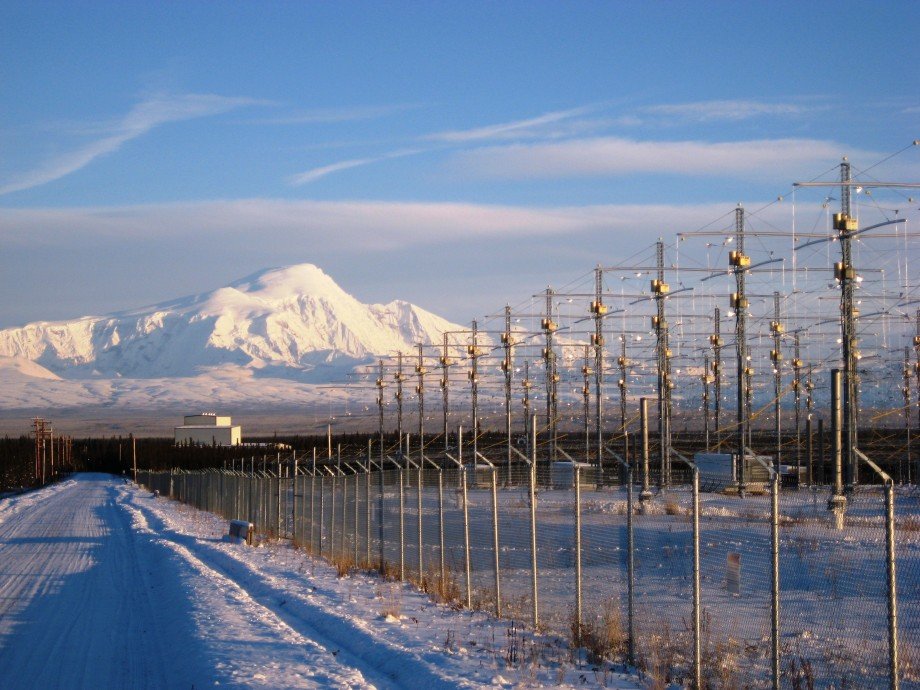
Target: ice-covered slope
{"x": 293, "y": 322}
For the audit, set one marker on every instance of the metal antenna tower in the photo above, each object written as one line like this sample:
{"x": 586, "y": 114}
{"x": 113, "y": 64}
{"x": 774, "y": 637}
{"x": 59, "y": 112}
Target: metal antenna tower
{"x": 776, "y": 356}
{"x": 552, "y": 377}
{"x": 586, "y": 393}
{"x": 623, "y": 384}
{"x": 527, "y": 384}
{"x": 400, "y": 377}
{"x": 599, "y": 310}
{"x": 445, "y": 383}
{"x": 906, "y": 390}
{"x": 508, "y": 369}
{"x": 845, "y": 272}
{"x": 917, "y": 366}
{"x": 660, "y": 290}
{"x": 380, "y": 386}
{"x": 749, "y": 395}
{"x": 473, "y": 351}
{"x": 739, "y": 262}
{"x": 420, "y": 391}
{"x": 716, "y": 341}
{"x": 706, "y": 379}
{"x": 797, "y": 390}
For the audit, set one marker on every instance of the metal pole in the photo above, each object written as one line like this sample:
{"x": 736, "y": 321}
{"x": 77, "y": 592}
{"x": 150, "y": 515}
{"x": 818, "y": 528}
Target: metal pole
{"x": 697, "y": 657}
{"x": 533, "y": 522}
{"x": 380, "y": 512}
{"x": 322, "y": 512}
{"x": 354, "y": 525}
{"x": 892, "y": 586}
{"x": 599, "y": 309}
{"x": 313, "y": 502}
{"x": 578, "y": 611}
{"x": 496, "y": 547}
{"x": 838, "y": 501}
{"x": 643, "y": 421}
{"x": 441, "y": 527}
{"x": 421, "y": 571}
{"x": 774, "y": 579}
{"x": 466, "y": 522}
{"x": 367, "y": 508}
{"x": 508, "y": 369}
{"x": 630, "y": 569}
{"x": 402, "y": 525}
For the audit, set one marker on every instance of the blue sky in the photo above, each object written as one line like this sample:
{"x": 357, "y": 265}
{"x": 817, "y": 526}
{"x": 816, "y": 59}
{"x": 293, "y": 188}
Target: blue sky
{"x": 460, "y": 155}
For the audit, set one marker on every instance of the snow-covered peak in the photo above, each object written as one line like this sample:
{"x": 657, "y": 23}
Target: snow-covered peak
{"x": 282, "y": 283}
{"x": 293, "y": 321}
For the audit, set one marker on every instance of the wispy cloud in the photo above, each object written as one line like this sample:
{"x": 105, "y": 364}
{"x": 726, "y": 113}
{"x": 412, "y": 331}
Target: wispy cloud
{"x": 618, "y": 156}
{"x": 527, "y": 128}
{"x": 334, "y": 115}
{"x": 143, "y": 117}
{"x": 316, "y": 173}
{"x": 732, "y": 110}
{"x": 342, "y": 225}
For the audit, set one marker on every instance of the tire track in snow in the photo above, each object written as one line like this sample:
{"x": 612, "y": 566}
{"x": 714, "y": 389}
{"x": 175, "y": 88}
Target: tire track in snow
{"x": 231, "y": 615}
{"x": 387, "y": 664}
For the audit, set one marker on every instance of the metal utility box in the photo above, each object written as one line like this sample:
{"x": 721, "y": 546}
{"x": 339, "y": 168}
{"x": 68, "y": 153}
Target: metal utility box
{"x": 722, "y": 468}
{"x": 240, "y": 530}
{"x": 562, "y": 474}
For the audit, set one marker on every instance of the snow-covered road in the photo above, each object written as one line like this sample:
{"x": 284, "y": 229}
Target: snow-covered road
{"x": 104, "y": 586}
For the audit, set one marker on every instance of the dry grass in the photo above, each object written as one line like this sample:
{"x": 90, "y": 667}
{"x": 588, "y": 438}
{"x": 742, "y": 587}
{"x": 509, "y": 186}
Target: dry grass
{"x": 390, "y": 595}
{"x": 444, "y": 590}
{"x": 344, "y": 565}
{"x": 604, "y": 638}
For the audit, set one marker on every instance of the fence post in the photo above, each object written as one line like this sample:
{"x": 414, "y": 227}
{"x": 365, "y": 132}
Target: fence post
{"x": 892, "y": 585}
{"x": 380, "y": 513}
{"x": 441, "y": 528}
{"x": 313, "y": 503}
{"x": 294, "y": 497}
{"x": 280, "y": 532}
{"x": 466, "y": 522}
{"x": 775, "y": 603}
{"x": 332, "y": 497}
{"x": 343, "y": 527}
{"x": 578, "y": 612}
{"x": 322, "y": 512}
{"x": 402, "y": 525}
{"x": 355, "y": 521}
{"x": 697, "y": 656}
{"x": 367, "y": 511}
{"x": 421, "y": 573}
{"x": 533, "y": 522}
{"x": 496, "y": 548}
{"x": 630, "y": 568}
{"x": 646, "y": 494}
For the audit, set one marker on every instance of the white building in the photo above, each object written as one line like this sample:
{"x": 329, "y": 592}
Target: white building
{"x": 208, "y": 429}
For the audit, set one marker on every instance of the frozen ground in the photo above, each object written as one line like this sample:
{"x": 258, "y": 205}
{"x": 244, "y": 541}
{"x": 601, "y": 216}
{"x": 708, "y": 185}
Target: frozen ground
{"x": 104, "y": 586}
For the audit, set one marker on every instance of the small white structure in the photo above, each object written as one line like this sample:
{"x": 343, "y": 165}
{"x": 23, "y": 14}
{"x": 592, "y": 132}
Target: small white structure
{"x": 208, "y": 429}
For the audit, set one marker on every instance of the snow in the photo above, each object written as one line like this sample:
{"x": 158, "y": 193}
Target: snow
{"x": 104, "y": 585}
{"x": 293, "y": 320}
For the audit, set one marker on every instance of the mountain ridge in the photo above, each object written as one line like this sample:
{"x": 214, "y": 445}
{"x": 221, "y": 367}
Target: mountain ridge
{"x": 293, "y": 321}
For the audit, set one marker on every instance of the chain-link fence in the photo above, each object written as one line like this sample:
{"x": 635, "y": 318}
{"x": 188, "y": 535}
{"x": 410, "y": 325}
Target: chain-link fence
{"x": 770, "y": 590}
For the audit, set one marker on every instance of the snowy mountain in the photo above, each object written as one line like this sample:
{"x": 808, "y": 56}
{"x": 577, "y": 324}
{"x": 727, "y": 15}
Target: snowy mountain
{"x": 293, "y": 322}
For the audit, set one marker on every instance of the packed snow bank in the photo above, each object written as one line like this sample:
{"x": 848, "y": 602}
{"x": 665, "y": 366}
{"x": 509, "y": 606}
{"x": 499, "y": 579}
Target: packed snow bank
{"x": 103, "y": 585}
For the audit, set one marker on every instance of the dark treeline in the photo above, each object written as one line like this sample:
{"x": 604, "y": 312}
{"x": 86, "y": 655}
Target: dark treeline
{"x": 889, "y": 447}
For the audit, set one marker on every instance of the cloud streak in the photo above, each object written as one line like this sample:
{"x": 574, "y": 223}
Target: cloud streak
{"x": 731, "y": 110}
{"x": 611, "y": 156}
{"x": 317, "y": 173}
{"x": 527, "y": 128}
{"x": 143, "y": 117}
{"x": 335, "y": 115}
{"x": 343, "y": 225}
